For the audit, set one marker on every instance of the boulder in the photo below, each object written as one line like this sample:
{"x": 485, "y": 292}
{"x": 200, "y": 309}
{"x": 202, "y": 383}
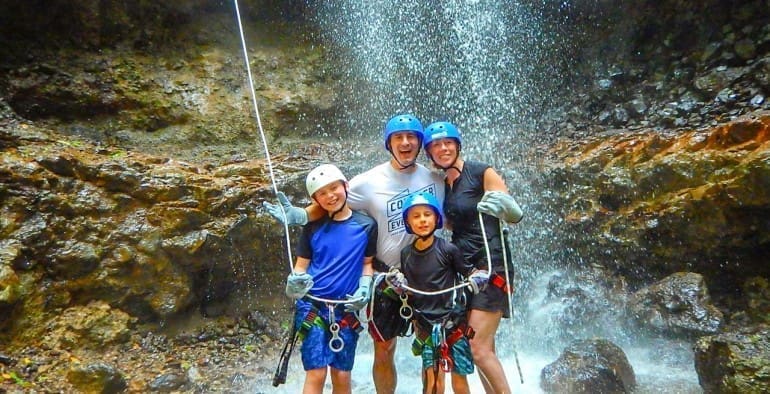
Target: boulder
{"x": 735, "y": 361}
{"x": 589, "y": 366}
{"x": 678, "y": 305}
{"x": 97, "y": 377}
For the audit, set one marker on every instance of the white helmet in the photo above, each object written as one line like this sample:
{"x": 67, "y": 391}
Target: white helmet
{"x": 322, "y": 176}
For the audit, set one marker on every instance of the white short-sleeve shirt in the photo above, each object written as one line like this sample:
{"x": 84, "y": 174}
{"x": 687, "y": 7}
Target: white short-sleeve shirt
{"x": 380, "y": 192}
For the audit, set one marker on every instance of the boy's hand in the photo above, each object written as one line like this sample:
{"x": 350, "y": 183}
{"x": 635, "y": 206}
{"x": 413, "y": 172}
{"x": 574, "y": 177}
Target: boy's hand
{"x": 298, "y": 284}
{"x": 478, "y": 281}
{"x": 295, "y": 216}
{"x": 361, "y": 297}
{"x": 398, "y": 281}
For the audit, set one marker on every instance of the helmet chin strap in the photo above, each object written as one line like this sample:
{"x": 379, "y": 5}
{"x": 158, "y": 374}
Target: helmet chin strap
{"x": 425, "y": 237}
{"x": 401, "y": 165}
{"x": 422, "y": 237}
{"x": 450, "y": 166}
{"x": 333, "y": 214}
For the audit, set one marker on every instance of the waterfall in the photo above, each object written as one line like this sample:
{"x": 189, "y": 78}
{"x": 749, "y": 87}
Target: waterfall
{"x": 492, "y": 68}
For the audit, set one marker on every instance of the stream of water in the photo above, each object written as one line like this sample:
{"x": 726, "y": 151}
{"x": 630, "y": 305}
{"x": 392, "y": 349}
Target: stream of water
{"x": 489, "y": 68}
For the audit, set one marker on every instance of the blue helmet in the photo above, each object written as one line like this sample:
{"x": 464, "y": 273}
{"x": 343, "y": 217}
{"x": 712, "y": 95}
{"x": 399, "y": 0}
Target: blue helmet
{"x": 421, "y": 198}
{"x": 404, "y": 122}
{"x": 438, "y": 130}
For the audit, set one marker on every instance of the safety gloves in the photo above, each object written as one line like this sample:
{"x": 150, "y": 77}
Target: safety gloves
{"x": 361, "y": 297}
{"x": 298, "y": 284}
{"x": 295, "y": 216}
{"x": 478, "y": 281}
{"x": 500, "y": 205}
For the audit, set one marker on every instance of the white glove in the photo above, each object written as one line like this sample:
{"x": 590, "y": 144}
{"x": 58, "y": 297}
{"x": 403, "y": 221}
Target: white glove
{"x": 295, "y": 216}
{"x": 398, "y": 281}
{"x": 361, "y": 297}
{"x": 478, "y": 281}
{"x": 500, "y": 205}
{"x": 298, "y": 284}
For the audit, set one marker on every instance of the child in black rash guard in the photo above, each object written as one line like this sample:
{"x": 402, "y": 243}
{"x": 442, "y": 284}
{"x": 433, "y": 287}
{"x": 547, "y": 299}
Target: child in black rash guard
{"x": 432, "y": 264}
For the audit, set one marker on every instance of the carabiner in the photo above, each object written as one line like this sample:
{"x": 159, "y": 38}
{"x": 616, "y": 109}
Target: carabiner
{"x": 405, "y": 311}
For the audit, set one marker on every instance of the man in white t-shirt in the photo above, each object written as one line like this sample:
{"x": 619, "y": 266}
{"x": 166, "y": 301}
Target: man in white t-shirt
{"x": 380, "y": 192}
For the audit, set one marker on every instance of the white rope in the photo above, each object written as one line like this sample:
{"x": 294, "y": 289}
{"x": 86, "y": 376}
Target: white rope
{"x": 437, "y": 292}
{"x": 486, "y": 245}
{"x": 426, "y": 292}
{"x": 328, "y": 301}
{"x": 261, "y": 131}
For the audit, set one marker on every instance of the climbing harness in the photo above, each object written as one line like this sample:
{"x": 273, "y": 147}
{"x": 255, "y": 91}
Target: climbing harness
{"x": 313, "y": 318}
{"x": 259, "y": 126}
{"x": 509, "y": 293}
{"x": 441, "y": 339}
{"x": 456, "y": 333}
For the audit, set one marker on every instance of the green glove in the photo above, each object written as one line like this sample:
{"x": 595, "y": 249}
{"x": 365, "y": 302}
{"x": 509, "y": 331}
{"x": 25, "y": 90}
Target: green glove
{"x": 500, "y": 205}
{"x": 361, "y": 297}
{"x": 295, "y": 216}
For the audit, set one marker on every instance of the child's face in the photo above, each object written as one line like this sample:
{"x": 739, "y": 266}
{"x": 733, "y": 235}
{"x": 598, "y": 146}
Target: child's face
{"x": 331, "y": 197}
{"x": 421, "y": 219}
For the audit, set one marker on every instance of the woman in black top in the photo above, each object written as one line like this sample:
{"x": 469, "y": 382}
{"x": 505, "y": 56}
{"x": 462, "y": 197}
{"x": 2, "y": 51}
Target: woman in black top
{"x": 472, "y": 187}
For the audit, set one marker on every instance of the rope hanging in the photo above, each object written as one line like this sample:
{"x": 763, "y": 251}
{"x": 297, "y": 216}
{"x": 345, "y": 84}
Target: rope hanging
{"x": 252, "y": 90}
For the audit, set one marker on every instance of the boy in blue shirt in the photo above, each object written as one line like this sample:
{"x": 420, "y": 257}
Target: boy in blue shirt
{"x": 334, "y": 260}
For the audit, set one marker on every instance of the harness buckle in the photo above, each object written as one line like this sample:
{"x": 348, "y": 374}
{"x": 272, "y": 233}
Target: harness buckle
{"x": 501, "y": 283}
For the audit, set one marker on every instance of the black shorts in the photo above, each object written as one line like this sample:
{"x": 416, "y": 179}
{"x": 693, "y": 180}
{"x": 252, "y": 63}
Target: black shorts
{"x": 385, "y": 321}
{"x": 492, "y": 299}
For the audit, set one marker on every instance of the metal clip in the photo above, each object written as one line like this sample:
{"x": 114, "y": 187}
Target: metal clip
{"x": 336, "y": 344}
{"x": 405, "y": 311}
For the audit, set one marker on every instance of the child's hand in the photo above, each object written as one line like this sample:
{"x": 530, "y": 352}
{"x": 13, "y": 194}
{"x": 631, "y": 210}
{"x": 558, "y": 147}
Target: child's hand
{"x": 478, "y": 281}
{"x": 298, "y": 284}
{"x": 286, "y": 213}
{"x": 361, "y": 297}
{"x": 398, "y": 281}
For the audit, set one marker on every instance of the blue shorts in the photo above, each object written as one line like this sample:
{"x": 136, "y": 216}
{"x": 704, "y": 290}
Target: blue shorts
{"x": 315, "y": 349}
{"x": 460, "y": 354}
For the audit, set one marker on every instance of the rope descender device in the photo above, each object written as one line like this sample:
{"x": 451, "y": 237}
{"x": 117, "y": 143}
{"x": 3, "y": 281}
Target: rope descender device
{"x": 405, "y": 311}
{"x": 336, "y": 344}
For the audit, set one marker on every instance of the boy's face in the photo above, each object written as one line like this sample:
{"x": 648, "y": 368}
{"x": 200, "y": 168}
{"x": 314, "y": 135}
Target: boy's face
{"x": 443, "y": 151}
{"x": 405, "y": 146}
{"x": 331, "y": 197}
{"x": 422, "y": 220}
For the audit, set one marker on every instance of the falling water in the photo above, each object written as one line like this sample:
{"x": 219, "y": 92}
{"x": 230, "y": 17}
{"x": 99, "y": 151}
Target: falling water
{"x": 492, "y": 68}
